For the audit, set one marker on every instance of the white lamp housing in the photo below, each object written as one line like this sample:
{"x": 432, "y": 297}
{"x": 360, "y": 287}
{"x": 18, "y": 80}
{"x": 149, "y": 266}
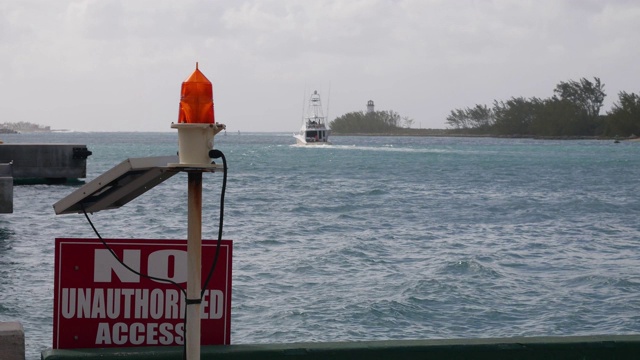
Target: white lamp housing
{"x": 195, "y": 141}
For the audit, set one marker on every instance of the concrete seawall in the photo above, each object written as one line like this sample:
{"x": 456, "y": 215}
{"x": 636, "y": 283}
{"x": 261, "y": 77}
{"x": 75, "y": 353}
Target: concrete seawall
{"x": 11, "y": 341}
{"x": 6, "y": 188}
{"x": 51, "y": 162}
{"x": 620, "y": 347}
{"x": 38, "y": 163}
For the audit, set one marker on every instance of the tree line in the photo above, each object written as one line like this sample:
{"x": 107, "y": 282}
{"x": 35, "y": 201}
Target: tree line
{"x": 23, "y": 126}
{"x": 573, "y": 110}
{"x": 387, "y": 121}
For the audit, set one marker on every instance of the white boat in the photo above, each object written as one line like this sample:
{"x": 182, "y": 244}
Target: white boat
{"x": 315, "y": 130}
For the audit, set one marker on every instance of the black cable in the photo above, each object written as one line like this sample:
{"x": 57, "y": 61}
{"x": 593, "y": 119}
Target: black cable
{"x": 216, "y": 154}
{"x": 125, "y": 265}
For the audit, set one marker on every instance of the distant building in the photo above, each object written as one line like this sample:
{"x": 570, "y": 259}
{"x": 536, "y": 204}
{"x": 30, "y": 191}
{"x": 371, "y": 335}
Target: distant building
{"x": 369, "y": 106}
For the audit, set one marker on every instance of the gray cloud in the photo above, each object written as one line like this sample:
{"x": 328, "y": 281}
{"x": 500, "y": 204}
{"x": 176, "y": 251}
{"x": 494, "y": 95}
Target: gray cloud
{"x": 421, "y": 58}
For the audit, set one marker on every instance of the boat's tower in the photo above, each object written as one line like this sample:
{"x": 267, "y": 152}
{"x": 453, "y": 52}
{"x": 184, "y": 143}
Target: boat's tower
{"x": 314, "y": 113}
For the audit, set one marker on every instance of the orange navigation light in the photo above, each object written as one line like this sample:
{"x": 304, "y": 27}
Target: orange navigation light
{"x": 196, "y": 125}
{"x": 196, "y": 100}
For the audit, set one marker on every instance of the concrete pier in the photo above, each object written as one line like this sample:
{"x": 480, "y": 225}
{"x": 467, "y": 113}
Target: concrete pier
{"x": 620, "y": 347}
{"x": 6, "y": 188}
{"x": 50, "y": 163}
{"x": 11, "y": 341}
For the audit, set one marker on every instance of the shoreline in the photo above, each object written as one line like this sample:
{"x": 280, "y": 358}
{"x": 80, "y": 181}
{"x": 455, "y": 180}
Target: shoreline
{"x": 427, "y": 134}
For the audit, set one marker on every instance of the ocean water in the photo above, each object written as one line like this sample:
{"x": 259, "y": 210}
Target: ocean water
{"x": 372, "y": 238}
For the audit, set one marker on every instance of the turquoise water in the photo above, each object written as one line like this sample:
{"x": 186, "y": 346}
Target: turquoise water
{"x": 373, "y": 237}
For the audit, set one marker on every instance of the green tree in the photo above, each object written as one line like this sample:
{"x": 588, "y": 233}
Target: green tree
{"x": 458, "y": 119}
{"x": 587, "y": 95}
{"x": 479, "y": 118}
{"x": 408, "y": 122}
{"x": 374, "y": 122}
{"x": 515, "y": 116}
{"x": 624, "y": 117}
{"x": 389, "y": 117}
{"x": 554, "y": 118}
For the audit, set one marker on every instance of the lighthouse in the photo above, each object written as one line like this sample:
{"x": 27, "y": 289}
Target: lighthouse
{"x": 370, "y": 107}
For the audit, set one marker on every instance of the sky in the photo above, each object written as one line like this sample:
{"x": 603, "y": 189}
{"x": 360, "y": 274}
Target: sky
{"x": 118, "y": 65}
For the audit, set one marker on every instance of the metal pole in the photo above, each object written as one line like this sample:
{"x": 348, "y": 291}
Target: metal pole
{"x": 194, "y": 264}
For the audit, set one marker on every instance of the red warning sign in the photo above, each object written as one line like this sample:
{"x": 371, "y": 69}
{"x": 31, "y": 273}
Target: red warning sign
{"x": 100, "y": 303}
